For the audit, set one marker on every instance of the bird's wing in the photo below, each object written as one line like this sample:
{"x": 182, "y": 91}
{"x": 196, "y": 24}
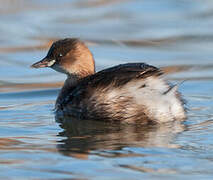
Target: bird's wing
{"x": 115, "y": 76}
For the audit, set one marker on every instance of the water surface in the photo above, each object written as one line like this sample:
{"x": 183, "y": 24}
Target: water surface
{"x": 174, "y": 35}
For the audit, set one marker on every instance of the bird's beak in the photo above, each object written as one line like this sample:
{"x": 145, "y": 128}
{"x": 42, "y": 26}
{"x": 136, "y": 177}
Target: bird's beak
{"x": 43, "y": 63}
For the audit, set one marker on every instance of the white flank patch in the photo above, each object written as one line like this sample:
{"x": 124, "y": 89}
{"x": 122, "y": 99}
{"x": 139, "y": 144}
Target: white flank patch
{"x": 158, "y": 105}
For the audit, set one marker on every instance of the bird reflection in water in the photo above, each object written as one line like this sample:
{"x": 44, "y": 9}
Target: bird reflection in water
{"x": 83, "y": 138}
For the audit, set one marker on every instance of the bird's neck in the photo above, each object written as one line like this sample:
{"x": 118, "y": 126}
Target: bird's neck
{"x": 74, "y": 78}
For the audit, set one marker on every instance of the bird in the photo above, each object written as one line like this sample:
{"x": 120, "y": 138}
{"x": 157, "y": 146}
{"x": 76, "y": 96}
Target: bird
{"x": 130, "y": 92}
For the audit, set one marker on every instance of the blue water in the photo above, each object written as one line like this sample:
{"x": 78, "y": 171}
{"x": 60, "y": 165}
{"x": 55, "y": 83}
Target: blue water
{"x": 172, "y": 34}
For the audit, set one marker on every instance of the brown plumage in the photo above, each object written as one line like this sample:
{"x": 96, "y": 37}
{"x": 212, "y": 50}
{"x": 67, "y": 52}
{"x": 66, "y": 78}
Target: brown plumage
{"x": 128, "y": 92}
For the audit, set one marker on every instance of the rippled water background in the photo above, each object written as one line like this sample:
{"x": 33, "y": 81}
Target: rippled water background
{"x": 176, "y": 35}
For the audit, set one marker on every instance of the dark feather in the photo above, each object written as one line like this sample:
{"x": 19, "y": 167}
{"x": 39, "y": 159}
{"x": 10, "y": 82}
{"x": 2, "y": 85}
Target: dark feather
{"x": 112, "y": 77}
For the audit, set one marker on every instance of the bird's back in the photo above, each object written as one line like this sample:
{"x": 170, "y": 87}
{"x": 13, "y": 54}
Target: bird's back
{"x": 128, "y": 92}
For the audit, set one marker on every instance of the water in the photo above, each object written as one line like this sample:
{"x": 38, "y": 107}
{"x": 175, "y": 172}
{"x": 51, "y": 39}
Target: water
{"x": 174, "y": 35}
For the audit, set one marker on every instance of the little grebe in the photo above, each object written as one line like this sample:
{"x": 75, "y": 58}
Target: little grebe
{"x": 127, "y": 92}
